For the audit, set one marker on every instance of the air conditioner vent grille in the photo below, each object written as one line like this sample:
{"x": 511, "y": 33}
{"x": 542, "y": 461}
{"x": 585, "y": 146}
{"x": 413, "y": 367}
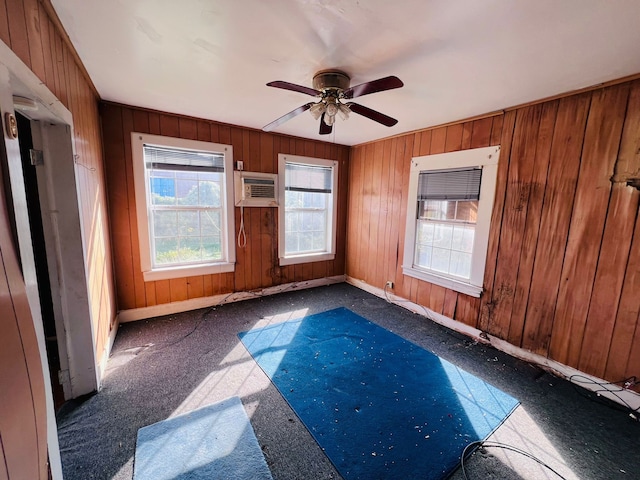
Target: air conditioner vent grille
{"x": 262, "y": 191}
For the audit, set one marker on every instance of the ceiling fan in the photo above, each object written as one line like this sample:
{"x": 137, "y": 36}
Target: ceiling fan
{"x": 332, "y": 88}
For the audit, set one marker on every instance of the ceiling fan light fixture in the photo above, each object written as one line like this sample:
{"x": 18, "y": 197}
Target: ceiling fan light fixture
{"x": 344, "y": 111}
{"x": 332, "y": 109}
{"x": 317, "y": 109}
{"x": 329, "y": 120}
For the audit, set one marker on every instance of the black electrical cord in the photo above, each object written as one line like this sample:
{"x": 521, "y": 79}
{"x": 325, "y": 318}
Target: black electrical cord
{"x": 485, "y": 444}
{"x": 607, "y": 387}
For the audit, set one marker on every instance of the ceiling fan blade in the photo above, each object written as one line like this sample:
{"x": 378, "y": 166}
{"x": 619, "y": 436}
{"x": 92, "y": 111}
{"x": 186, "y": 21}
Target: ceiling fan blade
{"x": 373, "y": 115}
{"x": 295, "y": 88}
{"x": 324, "y": 128}
{"x": 380, "y": 85}
{"x": 288, "y": 116}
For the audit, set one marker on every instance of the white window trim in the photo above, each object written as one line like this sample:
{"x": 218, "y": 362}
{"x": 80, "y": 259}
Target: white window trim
{"x": 486, "y": 158}
{"x": 138, "y": 140}
{"x": 315, "y": 257}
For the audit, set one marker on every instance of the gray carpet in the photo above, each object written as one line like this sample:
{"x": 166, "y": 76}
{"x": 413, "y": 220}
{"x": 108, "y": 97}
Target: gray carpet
{"x": 163, "y": 367}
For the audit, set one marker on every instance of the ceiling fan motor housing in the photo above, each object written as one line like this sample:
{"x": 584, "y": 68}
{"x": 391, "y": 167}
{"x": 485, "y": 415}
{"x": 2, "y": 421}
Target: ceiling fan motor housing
{"x": 331, "y": 80}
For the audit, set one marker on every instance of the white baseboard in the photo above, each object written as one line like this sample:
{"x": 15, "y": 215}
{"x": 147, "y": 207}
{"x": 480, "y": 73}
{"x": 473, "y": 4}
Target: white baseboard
{"x": 631, "y": 398}
{"x": 132, "y": 315}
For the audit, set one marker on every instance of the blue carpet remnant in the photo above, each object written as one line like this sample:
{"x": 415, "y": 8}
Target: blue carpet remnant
{"x": 212, "y": 442}
{"x": 380, "y": 406}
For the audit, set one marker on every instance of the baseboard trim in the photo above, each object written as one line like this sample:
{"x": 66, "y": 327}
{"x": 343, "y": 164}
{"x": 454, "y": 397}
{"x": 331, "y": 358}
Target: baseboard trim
{"x": 631, "y": 398}
{"x": 132, "y": 315}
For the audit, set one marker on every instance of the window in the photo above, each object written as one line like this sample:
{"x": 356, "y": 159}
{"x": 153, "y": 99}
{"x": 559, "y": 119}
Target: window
{"x": 448, "y": 216}
{"x": 307, "y": 212}
{"x": 184, "y": 206}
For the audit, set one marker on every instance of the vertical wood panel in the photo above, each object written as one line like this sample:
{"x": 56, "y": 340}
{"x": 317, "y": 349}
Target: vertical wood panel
{"x": 532, "y": 225}
{"x": 374, "y": 217}
{"x": 554, "y": 224}
{"x": 36, "y": 54}
{"x": 134, "y": 249}
{"x": 403, "y": 155}
{"x": 4, "y": 23}
{"x": 611, "y": 312}
{"x": 114, "y": 149}
{"x": 481, "y": 133}
{"x": 601, "y": 142}
{"x": 521, "y": 161}
{"x": 19, "y": 40}
{"x": 391, "y": 227}
{"x": 621, "y": 360}
{"x": 486, "y": 304}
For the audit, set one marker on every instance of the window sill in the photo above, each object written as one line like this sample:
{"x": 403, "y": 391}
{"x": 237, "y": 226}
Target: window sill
{"x": 316, "y": 257}
{"x": 450, "y": 283}
{"x": 188, "y": 271}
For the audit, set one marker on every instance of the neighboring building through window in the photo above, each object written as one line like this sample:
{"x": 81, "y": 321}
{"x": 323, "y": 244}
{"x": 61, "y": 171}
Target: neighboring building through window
{"x": 448, "y": 217}
{"x": 307, "y": 212}
{"x": 184, "y": 206}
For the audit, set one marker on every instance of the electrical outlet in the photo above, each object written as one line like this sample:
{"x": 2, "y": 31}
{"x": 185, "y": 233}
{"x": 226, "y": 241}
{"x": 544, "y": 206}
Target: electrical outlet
{"x": 389, "y": 284}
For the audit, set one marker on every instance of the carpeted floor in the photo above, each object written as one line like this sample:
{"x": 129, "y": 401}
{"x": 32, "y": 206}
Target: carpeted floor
{"x": 163, "y": 367}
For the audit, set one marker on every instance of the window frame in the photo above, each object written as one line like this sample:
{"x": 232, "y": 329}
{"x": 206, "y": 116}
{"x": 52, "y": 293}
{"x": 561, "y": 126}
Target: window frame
{"x": 227, "y": 264}
{"x": 283, "y": 159}
{"x": 487, "y": 159}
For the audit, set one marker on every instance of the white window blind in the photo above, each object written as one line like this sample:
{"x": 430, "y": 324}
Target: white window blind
{"x": 462, "y": 184}
{"x": 308, "y": 178}
{"x": 160, "y": 158}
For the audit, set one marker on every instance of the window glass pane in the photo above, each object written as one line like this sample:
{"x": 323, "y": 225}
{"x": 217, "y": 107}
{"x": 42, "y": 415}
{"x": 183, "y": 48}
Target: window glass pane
{"x": 307, "y": 221}
{"x": 212, "y": 247}
{"x": 460, "y": 264}
{"x": 162, "y": 189}
{"x": 306, "y": 242}
{"x": 440, "y": 259}
{"x": 318, "y": 221}
{"x": 166, "y": 250}
{"x": 187, "y": 191}
{"x": 467, "y": 211}
{"x": 189, "y": 250}
{"x": 319, "y": 241}
{"x": 209, "y": 194}
{"x": 456, "y": 239}
{"x": 165, "y": 224}
{"x": 188, "y": 223}
{"x": 432, "y": 209}
{"x": 449, "y": 209}
{"x": 291, "y": 242}
{"x": 442, "y": 235}
{"x": 425, "y": 232}
{"x": 468, "y": 238}
{"x": 210, "y": 222}
{"x": 423, "y": 256}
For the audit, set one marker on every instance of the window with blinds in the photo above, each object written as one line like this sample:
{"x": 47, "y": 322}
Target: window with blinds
{"x": 182, "y": 189}
{"x": 308, "y": 220}
{"x": 448, "y": 217}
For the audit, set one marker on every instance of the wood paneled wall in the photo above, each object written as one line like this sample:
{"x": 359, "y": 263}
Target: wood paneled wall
{"x": 31, "y": 29}
{"x": 257, "y": 263}
{"x": 563, "y": 268}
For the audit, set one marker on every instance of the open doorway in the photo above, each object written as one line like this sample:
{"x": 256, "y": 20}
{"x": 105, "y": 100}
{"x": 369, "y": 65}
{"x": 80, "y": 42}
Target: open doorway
{"x": 29, "y": 160}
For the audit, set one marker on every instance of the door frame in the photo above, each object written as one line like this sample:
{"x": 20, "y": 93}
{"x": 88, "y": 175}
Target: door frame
{"x": 52, "y": 132}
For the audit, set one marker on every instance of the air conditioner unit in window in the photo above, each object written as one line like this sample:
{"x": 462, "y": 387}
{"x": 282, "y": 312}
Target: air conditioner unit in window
{"x": 254, "y": 189}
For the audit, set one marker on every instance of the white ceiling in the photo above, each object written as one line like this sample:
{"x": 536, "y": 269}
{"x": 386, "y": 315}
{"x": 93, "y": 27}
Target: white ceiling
{"x": 457, "y": 58}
